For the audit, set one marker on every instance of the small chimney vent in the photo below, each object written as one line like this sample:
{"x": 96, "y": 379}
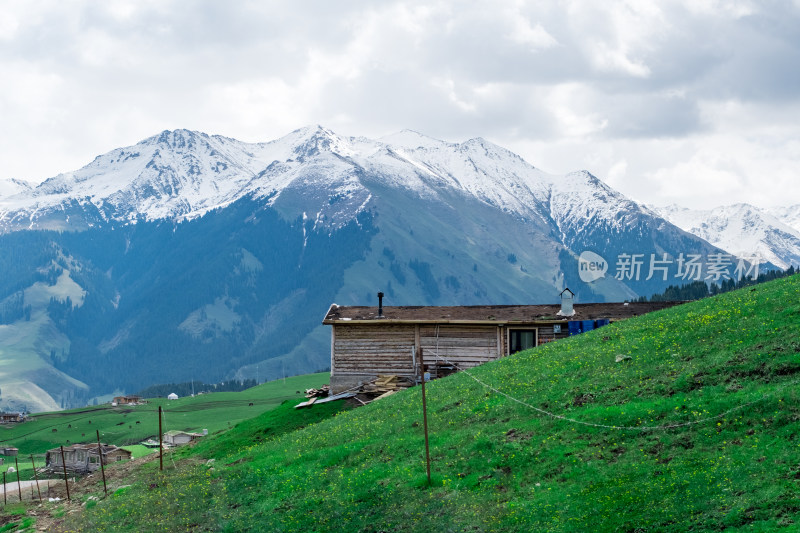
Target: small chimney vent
{"x": 380, "y": 305}
{"x": 566, "y": 303}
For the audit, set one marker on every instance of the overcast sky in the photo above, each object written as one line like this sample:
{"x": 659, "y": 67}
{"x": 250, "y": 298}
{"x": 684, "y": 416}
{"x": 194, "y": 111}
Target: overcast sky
{"x": 694, "y": 102}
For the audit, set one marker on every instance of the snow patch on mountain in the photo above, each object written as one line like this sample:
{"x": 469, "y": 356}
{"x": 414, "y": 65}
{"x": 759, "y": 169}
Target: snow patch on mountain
{"x": 12, "y": 186}
{"x": 788, "y": 215}
{"x": 740, "y": 229}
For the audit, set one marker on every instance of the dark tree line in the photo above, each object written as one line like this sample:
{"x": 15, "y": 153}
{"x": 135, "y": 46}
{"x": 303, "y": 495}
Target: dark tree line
{"x": 188, "y": 388}
{"x": 700, "y": 289}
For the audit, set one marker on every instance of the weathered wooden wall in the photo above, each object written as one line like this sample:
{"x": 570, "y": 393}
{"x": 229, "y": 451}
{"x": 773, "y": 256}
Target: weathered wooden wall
{"x": 381, "y": 349}
{"x": 466, "y": 346}
{"x": 363, "y": 350}
{"x": 547, "y": 334}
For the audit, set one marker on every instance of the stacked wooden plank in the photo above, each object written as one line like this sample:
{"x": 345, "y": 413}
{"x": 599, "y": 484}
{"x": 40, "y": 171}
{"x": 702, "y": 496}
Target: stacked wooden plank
{"x": 386, "y": 383}
{"x": 321, "y": 392}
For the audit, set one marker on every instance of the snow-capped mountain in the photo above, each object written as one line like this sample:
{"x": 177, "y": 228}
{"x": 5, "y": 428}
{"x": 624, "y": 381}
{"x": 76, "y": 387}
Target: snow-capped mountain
{"x": 10, "y": 187}
{"x": 743, "y": 230}
{"x": 218, "y": 255}
{"x": 182, "y": 174}
{"x": 788, "y": 215}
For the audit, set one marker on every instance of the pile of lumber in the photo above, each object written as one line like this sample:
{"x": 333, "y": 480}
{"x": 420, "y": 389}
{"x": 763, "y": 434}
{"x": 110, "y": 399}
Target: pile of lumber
{"x": 321, "y": 392}
{"x": 386, "y": 383}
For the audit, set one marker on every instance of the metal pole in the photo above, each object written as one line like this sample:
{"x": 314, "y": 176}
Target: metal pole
{"x": 102, "y": 468}
{"x": 425, "y": 415}
{"x": 19, "y": 485}
{"x": 160, "y": 442}
{"x": 64, "y": 465}
{"x": 5, "y": 500}
{"x": 36, "y": 477}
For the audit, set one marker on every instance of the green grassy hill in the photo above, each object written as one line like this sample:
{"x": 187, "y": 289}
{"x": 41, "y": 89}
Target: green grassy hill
{"x": 126, "y": 425}
{"x": 698, "y": 430}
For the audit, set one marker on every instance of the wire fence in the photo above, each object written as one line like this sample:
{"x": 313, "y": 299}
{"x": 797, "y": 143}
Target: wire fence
{"x": 194, "y": 407}
{"x": 611, "y": 426}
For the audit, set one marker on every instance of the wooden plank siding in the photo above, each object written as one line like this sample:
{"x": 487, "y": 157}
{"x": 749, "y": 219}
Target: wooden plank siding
{"x": 466, "y": 346}
{"x": 387, "y": 349}
{"x": 380, "y": 349}
{"x": 547, "y": 334}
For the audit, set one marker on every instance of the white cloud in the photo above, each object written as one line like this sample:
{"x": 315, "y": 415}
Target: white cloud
{"x": 569, "y": 104}
{"x": 617, "y": 173}
{"x": 664, "y": 98}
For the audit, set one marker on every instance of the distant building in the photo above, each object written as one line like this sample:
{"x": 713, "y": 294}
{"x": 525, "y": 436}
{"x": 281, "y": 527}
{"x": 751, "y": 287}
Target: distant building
{"x": 9, "y": 451}
{"x": 84, "y": 458}
{"x": 177, "y": 438}
{"x": 127, "y": 400}
{"x": 172, "y": 396}
{"x": 11, "y": 418}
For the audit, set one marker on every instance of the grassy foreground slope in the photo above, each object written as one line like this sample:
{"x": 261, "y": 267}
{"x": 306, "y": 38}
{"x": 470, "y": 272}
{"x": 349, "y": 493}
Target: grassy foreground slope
{"x": 699, "y": 430}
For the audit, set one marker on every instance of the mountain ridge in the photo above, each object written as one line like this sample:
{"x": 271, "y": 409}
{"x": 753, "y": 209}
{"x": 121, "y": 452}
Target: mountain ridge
{"x": 741, "y": 229}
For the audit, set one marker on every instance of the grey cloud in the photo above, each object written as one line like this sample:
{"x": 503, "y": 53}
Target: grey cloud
{"x": 400, "y": 62}
{"x": 651, "y": 115}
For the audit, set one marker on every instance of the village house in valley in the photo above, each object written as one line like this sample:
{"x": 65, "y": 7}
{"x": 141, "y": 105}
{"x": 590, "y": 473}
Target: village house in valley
{"x": 84, "y": 458}
{"x": 370, "y": 341}
{"x": 176, "y": 438}
{"x": 131, "y": 399}
{"x": 12, "y": 418}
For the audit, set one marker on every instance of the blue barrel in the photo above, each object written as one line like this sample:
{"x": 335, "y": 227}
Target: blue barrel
{"x": 574, "y": 327}
{"x": 588, "y": 325}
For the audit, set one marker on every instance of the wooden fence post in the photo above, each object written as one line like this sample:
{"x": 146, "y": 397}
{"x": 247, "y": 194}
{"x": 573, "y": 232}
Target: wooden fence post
{"x": 425, "y": 414}
{"x": 19, "y": 485}
{"x": 160, "y": 443}
{"x": 36, "y": 477}
{"x": 64, "y": 465}
{"x": 102, "y": 468}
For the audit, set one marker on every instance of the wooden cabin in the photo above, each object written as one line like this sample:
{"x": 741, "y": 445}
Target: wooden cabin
{"x": 177, "y": 438}
{"x": 84, "y": 458}
{"x": 11, "y": 418}
{"x": 368, "y": 341}
{"x": 127, "y": 400}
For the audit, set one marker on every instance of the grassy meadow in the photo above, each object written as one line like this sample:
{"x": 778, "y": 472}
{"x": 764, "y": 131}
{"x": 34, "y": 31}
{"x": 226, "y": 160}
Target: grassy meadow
{"x": 697, "y": 428}
{"x": 129, "y": 425}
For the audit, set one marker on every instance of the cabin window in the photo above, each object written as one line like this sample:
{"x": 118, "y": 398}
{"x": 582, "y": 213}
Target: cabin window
{"x": 521, "y": 339}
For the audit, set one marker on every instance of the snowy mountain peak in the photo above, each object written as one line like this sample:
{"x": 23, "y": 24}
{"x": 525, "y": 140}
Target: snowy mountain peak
{"x": 788, "y": 215}
{"x": 313, "y": 140}
{"x": 740, "y": 229}
{"x": 178, "y": 139}
{"x": 412, "y": 140}
{"x": 12, "y": 186}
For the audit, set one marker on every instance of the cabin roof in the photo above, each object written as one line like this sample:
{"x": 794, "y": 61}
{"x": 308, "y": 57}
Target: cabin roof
{"x": 489, "y": 314}
{"x": 91, "y": 448}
